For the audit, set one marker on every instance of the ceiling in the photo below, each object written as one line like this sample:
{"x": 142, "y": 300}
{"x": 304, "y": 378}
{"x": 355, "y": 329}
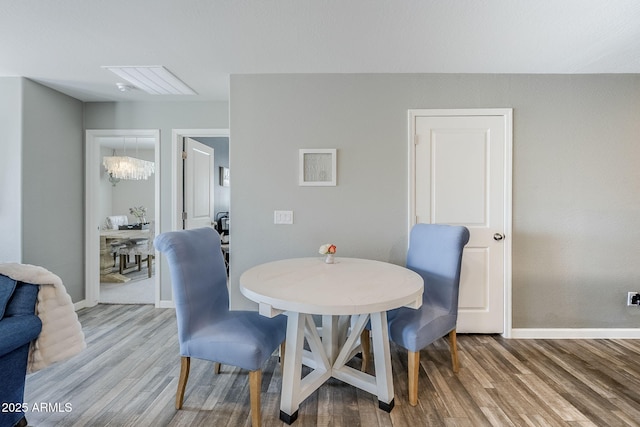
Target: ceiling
{"x": 63, "y": 44}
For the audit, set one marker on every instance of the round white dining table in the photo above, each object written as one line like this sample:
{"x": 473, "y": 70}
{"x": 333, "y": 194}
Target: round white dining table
{"x": 350, "y": 288}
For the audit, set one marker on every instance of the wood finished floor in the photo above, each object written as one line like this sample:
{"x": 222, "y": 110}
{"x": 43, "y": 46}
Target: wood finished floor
{"x": 128, "y": 377}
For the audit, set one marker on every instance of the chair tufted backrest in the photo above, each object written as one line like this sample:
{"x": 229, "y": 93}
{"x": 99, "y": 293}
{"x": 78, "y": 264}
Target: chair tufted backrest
{"x": 198, "y": 277}
{"x": 435, "y": 252}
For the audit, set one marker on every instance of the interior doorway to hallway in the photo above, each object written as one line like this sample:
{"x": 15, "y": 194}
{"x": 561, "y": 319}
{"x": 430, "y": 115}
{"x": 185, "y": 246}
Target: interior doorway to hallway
{"x": 102, "y": 201}
{"x": 218, "y": 139}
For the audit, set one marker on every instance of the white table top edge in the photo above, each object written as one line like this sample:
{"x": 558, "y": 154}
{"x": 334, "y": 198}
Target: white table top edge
{"x": 271, "y": 306}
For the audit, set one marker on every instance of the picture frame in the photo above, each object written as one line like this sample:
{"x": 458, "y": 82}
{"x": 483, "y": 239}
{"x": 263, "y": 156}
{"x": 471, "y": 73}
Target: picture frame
{"x": 224, "y": 176}
{"x": 317, "y": 167}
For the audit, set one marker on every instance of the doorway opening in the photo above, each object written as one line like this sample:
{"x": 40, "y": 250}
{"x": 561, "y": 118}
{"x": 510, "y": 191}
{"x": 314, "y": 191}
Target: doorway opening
{"x": 121, "y": 218}
{"x": 460, "y": 163}
{"x": 183, "y": 204}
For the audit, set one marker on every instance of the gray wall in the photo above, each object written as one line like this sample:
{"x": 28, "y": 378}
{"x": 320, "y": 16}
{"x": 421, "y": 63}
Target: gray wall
{"x": 165, "y": 116}
{"x": 10, "y": 169}
{"x": 45, "y": 165}
{"x": 576, "y": 179}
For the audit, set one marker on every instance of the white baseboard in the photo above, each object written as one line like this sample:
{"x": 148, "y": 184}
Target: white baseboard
{"x": 84, "y": 304}
{"x": 80, "y": 305}
{"x": 166, "y": 304}
{"x": 516, "y": 333}
{"x": 576, "y": 333}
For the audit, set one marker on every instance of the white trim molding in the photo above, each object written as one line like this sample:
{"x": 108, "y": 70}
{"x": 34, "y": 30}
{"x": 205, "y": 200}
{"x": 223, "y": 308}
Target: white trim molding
{"x": 80, "y": 305}
{"x": 575, "y": 333}
{"x": 166, "y": 304}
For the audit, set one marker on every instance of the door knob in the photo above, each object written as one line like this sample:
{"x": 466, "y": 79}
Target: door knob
{"x": 498, "y": 236}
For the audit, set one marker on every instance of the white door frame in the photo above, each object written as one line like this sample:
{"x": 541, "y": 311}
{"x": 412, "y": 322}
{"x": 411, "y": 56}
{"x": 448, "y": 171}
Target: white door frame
{"x": 92, "y": 223}
{"x": 176, "y": 167}
{"x": 507, "y": 113}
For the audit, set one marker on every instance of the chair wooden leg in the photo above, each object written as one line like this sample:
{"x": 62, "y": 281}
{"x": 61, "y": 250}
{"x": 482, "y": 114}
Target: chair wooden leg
{"x": 255, "y": 383}
{"x": 185, "y": 364}
{"x": 413, "y": 368}
{"x": 123, "y": 263}
{"x": 139, "y": 262}
{"x": 365, "y": 344}
{"x": 454, "y": 351}
{"x": 149, "y": 265}
{"x": 216, "y": 368}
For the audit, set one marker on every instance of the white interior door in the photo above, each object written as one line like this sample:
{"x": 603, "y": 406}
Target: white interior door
{"x": 198, "y": 184}
{"x": 461, "y": 167}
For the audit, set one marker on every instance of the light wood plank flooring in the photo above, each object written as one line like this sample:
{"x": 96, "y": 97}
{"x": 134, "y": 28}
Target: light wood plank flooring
{"x": 128, "y": 377}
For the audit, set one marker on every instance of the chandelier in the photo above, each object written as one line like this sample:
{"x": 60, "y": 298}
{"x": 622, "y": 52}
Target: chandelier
{"x": 127, "y": 167}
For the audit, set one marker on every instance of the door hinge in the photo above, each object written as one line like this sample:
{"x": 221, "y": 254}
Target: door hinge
{"x": 416, "y": 139}
{"x": 184, "y": 155}
{"x": 184, "y": 216}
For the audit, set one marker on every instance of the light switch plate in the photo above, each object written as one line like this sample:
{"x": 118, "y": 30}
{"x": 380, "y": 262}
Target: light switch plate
{"x": 283, "y": 217}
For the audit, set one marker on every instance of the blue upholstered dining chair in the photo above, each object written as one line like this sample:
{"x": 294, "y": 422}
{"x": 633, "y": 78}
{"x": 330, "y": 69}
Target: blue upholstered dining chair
{"x": 435, "y": 253}
{"x": 207, "y": 329}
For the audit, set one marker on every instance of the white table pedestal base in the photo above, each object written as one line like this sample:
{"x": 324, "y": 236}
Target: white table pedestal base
{"x": 328, "y": 357}
{"x": 349, "y": 287}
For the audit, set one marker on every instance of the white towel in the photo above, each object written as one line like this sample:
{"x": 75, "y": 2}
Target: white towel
{"x": 61, "y": 336}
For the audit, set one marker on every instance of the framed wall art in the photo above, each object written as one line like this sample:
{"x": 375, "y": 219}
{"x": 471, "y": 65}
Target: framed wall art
{"x": 317, "y": 166}
{"x": 224, "y": 176}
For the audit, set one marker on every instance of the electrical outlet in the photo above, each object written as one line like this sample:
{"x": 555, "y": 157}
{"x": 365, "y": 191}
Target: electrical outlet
{"x": 633, "y": 298}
